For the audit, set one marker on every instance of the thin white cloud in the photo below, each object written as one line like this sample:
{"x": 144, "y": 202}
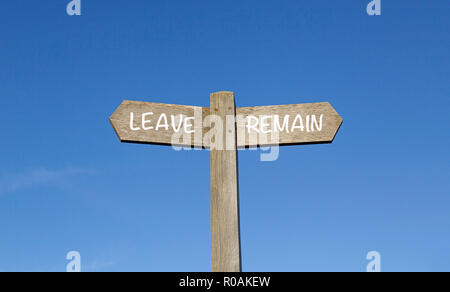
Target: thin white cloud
{"x": 38, "y": 177}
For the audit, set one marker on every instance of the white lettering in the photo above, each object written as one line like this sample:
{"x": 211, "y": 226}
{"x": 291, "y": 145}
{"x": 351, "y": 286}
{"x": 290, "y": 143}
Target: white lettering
{"x": 265, "y": 124}
{"x": 285, "y": 123}
{"x": 132, "y": 127}
{"x": 145, "y": 121}
{"x": 160, "y": 125}
{"x": 188, "y": 125}
{"x": 307, "y": 124}
{"x": 179, "y": 124}
{"x": 254, "y": 126}
{"x": 314, "y": 123}
{"x": 300, "y": 121}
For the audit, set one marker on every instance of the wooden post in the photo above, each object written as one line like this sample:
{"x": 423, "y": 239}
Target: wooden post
{"x": 225, "y": 230}
{"x": 294, "y": 124}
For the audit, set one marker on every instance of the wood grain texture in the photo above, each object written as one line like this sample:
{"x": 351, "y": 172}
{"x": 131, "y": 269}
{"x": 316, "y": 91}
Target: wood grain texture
{"x": 330, "y": 125}
{"x": 225, "y": 230}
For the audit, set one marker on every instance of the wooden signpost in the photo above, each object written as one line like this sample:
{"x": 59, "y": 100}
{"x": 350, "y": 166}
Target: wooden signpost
{"x": 223, "y": 129}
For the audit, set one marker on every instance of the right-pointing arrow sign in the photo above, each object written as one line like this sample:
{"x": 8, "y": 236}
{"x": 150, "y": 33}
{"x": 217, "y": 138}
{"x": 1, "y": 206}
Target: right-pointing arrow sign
{"x": 293, "y": 124}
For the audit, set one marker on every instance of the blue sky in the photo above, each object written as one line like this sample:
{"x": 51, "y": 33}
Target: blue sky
{"x": 66, "y": 183}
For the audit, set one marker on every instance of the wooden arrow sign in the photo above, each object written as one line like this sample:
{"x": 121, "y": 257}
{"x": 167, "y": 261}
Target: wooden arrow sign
{"x": 157, "y": 123}
{"x": 179, "y": 125}
{"x": 293, "y": 124}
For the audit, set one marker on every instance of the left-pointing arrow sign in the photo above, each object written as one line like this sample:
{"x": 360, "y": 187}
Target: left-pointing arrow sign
{"x": 158, "y": 123}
